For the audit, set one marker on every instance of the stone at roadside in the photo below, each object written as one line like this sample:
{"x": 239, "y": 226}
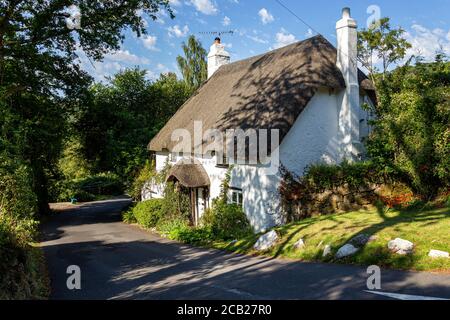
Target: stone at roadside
{"x": 299, "y": 244}
{"x": 326, "y": 250}
{"x": 438, "y": 254}
{"x": 362, "y": 239}
{"x": 346, "y": 250}
{"x": 266, "y": 241}
{"x": 400, "y": 246}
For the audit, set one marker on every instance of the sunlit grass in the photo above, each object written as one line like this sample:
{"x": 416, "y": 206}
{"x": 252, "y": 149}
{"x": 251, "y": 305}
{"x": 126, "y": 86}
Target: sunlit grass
{"x": 426, "y": 228}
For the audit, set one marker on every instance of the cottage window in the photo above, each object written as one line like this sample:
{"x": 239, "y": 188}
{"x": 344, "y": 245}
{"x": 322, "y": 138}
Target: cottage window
{"x": 172, "y": 157}
{"x": 223, "y": 164}
{"x": 236, "y": 196}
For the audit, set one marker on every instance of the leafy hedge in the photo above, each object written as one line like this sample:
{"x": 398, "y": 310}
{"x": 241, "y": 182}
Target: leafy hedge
{"x": 323, "y": 187}
{"x": 148, "y": 213}
{"x": 88, "y": 188}
{"x": 226, "y": 221}
{"x": 22, "y": 267}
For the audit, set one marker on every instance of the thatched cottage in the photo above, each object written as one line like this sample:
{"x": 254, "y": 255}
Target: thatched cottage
{"x": 309, "y": 93}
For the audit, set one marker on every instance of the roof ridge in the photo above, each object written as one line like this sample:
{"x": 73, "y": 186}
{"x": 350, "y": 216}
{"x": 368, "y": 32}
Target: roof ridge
{"x": 319, "y": 36}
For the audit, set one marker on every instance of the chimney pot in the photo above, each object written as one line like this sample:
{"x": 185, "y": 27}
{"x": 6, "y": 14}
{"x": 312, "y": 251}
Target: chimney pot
{"x": 346, "y": 13}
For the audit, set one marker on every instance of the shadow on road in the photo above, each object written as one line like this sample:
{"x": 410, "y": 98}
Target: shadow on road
{"x": 119, "y": 261}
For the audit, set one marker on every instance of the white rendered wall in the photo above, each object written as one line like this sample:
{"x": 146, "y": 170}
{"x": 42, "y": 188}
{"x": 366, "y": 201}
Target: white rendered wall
{"x": 314, "y": 138}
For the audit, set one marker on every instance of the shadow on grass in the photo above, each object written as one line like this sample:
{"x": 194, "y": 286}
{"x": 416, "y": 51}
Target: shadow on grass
{"x": 373, "y": 253}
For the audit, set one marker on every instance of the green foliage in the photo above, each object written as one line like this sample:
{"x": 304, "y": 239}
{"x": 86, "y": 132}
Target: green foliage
{"x": 189, "y": 235}
{"x": 128, "y": 216}
{"x": 41, "y": 82}
{"x": 21, "y": 266}
{"x": 148, "y": 213}
{"x": 148, "y": 174}
{"x": 72, "y": 164}
{"x": 193, "y": 65}
{"x": 300, "y": 196}
{"x": 86, "y": 189}
{"x": 380, "y": 40}
{"x": 226, "y": 221}
{"x": 177, "y": 203}
{"x": 411, "y": 136}
{"x": 137, "y": 108}
{"x": 321, "y": 177}
{"x": 172, "y": 227}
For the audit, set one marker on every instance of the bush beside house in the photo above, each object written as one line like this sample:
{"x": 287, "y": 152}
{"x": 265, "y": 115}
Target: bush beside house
{"x": 171, "y": 217}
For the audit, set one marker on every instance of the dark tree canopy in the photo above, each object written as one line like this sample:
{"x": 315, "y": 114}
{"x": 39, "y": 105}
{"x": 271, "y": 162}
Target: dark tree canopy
{"x": 41, "y": 81}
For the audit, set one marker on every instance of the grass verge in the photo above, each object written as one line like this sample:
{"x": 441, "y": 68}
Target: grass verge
{"x": 427, "y": 228}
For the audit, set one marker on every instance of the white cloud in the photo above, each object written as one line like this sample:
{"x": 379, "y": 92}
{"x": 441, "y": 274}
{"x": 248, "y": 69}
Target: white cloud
{"x": 205, "y": 6}
{"x": 111, "y": 64}
{"x": 178, "y": 32}
{"x": 226, "y": 21}
{"x": 283, "y": 38}
{"x": 426, "y": 42}
{"x": 127, "y": 57}
{"x": 309, "y": 33}
{"x": 258, "y": 39}
{"x": 150, "y": 42}
{"x": 175, "y": 3}
{"x": 266, "y": 16}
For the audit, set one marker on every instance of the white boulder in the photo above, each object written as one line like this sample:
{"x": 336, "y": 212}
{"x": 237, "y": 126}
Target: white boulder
{"x": 326, "y": 250}
{"x": 400, "y": 246}
{"x": 346, "y": 250}
{"x": 266, "y": 241}
{"x": 299, "y": 244}
{"x": 438, "y": 254}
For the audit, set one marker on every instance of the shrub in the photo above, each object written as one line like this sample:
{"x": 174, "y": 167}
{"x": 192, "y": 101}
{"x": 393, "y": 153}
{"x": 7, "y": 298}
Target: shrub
{"x": 147, "y": 173}
{"x": 172, "y": 227}
{"x": 226, "y": 221}
{"x": 326, "y": 188}
{"x": 21, "y": 265}
{"x": 86, "y": 189}
{"x": 128, "y": 216}
{"x": 176, "y": 203}
{"x": 193, "y": 235}
{"x": 148, "y": 213}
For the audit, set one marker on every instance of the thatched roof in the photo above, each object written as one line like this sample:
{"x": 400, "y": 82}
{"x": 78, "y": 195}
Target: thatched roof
{"x": 189, "y": 173}
{"x": 268, "y": 91}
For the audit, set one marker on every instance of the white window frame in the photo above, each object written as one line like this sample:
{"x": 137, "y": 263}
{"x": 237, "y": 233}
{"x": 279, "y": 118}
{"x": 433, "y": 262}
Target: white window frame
{"x": 236, "y": 196}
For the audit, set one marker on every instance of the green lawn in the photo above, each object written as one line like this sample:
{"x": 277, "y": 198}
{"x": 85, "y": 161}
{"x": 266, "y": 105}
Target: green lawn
{"x": 426, "y": 228}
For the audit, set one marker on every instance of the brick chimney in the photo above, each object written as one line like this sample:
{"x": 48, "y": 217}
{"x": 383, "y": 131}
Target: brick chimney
{"x": 346, "y": 29}
{"x": 217, "y": 57}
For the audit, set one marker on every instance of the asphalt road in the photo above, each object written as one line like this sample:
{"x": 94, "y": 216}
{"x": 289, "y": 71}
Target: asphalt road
{"x": 119, "y": 261}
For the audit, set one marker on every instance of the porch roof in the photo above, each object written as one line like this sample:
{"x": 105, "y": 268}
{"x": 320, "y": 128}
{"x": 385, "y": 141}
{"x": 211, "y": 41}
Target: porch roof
{"x": 189, "y": 173}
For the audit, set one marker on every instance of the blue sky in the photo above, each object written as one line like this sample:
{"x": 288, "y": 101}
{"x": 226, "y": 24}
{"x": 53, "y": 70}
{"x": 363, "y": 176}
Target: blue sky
{"x": 262, "y": 25}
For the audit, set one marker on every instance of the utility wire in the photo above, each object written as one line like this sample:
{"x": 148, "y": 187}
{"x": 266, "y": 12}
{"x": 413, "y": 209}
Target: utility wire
{"x": 295, "y": 15}
{"x": 308, "y": 25}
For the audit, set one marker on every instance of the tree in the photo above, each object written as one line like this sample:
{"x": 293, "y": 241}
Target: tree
{"x": 193, "y": 65}
{"x": 411, "y": 137}
{"x": 118, "y": 119}
{"x": 383, "y": 43}
{"x": 40, "y": 78}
